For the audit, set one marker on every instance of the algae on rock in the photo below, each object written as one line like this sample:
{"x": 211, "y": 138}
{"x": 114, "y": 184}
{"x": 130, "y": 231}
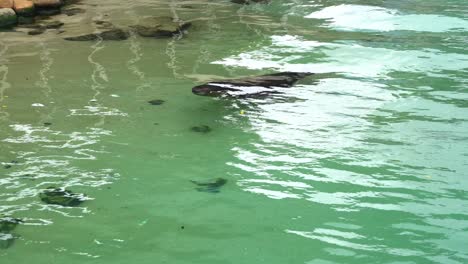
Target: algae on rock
{"x": 159, "y": 27}
{"x": 61, "y": 197}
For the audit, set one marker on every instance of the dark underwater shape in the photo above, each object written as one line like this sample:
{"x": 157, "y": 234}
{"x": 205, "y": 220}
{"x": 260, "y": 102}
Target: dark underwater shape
{"x": 160, "y": 27}
{"x": 111, "y": 34}
{"x": 10, "y": 164}
{"x": 211, "y": 187}
{"x": 53, "y": 25}
{"x": 7, "y": 224}
{"x": 48, "y": 11}
{"x": 61, "y": 197}
{"x": 250, "y": 86}
{"x": 6, "y": 240}
{"x": 73, "y": 11}
{"x": 201, "y": 129}
{"x": 36, "y": 31}
{"x": 156, "y": 102}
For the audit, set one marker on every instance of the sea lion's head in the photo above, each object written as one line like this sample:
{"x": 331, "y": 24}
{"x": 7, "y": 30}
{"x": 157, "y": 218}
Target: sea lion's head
{"x": 212, "y": 89}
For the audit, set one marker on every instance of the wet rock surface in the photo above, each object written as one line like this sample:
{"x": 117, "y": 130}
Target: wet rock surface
{"x": 213, "y": 186}
{"x": 60, "y": 196}
{"x": 160, "y": 27}
{"x": 44, "y": 23}
{"x": 52, "y": 25}
{"x": 48, "y": 11}
{"x": 26, "y": 20}
{"x": 6, "y": 3}
{"x": 42, "y": 26}
{"x": 25, "y": 12}
{"x": 7, "y": 17}
{"x": 250, "y": 86}
{"x": 36, "y": 31}
{"x": 24, "y": 8}
{"x": 201, "y": 129}
{"x": 73, "y": 11}
{"x": 48, "y": 3}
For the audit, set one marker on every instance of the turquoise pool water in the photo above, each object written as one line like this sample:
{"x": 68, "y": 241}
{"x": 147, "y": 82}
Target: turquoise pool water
{"x": 364, "y": 162}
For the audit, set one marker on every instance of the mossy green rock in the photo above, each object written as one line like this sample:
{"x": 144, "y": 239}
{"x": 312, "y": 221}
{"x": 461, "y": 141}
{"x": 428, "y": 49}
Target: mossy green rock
{"x": 7, "y": 17}
{"x": 160, "y": 27}
{"x": 61, "y": 197}
{"x": 111, "y": 34}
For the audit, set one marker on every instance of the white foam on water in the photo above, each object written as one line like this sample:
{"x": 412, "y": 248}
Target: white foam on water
{"x": 361, "y": 17}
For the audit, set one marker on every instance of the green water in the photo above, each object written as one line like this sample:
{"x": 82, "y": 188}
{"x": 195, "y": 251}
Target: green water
{"x": 365, "y": 162}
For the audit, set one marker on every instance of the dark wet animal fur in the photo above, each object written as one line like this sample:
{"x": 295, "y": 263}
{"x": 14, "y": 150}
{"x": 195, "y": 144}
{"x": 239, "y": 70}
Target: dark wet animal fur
{"x": 281, "y": 79}
{"x": 201, "y": 129}
{"x": 211, "y": 187}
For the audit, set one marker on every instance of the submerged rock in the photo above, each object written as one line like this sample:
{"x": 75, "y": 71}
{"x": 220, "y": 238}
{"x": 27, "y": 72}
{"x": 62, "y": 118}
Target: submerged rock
{"x": 36, "y": 31}
{"x": 6, "y": 240}
{"x": 211, "y": 187}
{"x": 73, "y": 11}
{"x": 61, "y": 197}
{"x": 111, "y": 34}
{"x": 160, "y": 27}
{"x": 53, "y": 25}
{"x": 48, "y": 11}
{"x": 250, "y": 86}
{"x": 7, "y": 17}
{"x": 26, "y": 20}
{"x": 40, "y": 28}
{"x": 201, "y": 129}
{"x": 156, "y": 102}
{"x": 104, "y": 24}
{"x": 7, "y": 224}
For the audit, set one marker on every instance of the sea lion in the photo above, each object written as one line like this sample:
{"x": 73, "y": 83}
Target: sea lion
{"x": 211, "y": 187}
{"x": 250, "y": 86}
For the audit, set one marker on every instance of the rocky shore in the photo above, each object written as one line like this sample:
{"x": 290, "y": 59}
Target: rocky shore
{"x": 31, "y": 13}
{"x": 34, "y": 15}
{"x": 13, "y": 12}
